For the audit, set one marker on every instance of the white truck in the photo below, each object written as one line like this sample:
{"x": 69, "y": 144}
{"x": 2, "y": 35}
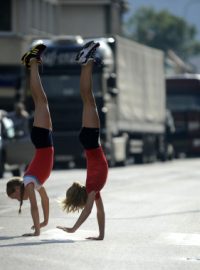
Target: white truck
{"x": 130, "y": 95}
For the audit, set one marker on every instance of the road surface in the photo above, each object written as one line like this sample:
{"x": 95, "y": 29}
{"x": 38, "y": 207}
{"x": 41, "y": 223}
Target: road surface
{"x": 152, "y": 222}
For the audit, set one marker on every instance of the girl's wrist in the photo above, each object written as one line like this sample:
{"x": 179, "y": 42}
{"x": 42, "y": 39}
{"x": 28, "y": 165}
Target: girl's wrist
{"x": 74, "y": 228}
{"x": 37, "y": 233}
{"x": 45, "y": 222}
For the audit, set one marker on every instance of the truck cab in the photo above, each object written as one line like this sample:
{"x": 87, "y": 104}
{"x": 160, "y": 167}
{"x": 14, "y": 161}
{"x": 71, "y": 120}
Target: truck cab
{"x": 60, "y": 77}
{"x": 128, "y": 93}
{"x": 183, "y": 100}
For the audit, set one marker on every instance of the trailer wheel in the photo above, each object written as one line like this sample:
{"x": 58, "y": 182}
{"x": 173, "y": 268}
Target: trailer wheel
{"x": 2, "y": 164}
{"x": 119, "y": 151}
{"x": 111, "y": 160}
{"x": 140, "y": 159}
{"x": 16, "y": 172}
{"x": 124, "y": 162}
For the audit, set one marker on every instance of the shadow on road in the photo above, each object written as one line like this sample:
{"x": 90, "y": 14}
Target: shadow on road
{"x": 158, "y": 215}
{"x": 41, "y": 242}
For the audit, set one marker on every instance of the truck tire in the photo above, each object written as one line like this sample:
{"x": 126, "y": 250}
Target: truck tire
{"x": 2, "y": 164}
{"x": 140, "y": 159}
{"x": 119, "y": 151}
{"x": 16, "y": 172}
{"x": 111, "y": 161}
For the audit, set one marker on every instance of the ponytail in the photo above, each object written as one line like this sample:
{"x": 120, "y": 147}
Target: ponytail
{"x": 11, "y": 186}
{"x": 21, "y": 197}
{"x": 76, "y": 198}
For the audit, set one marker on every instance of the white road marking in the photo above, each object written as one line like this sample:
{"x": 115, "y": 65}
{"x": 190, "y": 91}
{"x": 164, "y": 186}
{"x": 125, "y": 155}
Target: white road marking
{"x": 182, "y": 239}
{"x": 7, "y": 210}
{"x": 194, "y": 259}
{"x": 59, "y": 200}
{"x": 59, "y": 235}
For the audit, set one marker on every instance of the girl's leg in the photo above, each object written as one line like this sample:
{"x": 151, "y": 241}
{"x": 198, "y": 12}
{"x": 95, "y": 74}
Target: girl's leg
{"x": 42, "y": 116}
{"x": 90, "y": 117}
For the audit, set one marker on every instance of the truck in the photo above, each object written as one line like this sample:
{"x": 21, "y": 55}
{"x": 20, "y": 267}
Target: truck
{"x": 129, "y": 87}
{"x": 183, "y": 100}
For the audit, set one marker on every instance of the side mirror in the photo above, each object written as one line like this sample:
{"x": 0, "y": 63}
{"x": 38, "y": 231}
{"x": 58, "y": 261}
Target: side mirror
{"x": 8, "y": 128}
{"x": 111, "y": 83}
{"x": 113, "y": 91}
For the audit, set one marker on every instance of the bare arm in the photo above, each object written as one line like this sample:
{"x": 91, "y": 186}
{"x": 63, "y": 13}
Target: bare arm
{"x": 34, "y": 210}
{"x": 45, "y": 206}
{"x": 84, "y": 214}
{"x": 100, "y": 219}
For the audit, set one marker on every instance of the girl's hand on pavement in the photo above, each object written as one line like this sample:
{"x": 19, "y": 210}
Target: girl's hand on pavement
{"x": 65, "y": 229}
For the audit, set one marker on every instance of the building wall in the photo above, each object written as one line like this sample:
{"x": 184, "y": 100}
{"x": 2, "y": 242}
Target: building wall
{"x": 35, "y": 18}
{"x": 82, "y": 20}
{"x": 57, "y": 17}
{"x": 11, "y": 49}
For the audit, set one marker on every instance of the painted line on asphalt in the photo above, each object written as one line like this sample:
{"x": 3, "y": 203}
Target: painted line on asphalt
{"x": 193, "y": 259}
{"x": 7, "y": 210}
{"x": 60, "y": 235}
{"x": 12, "y": 209}
{"x": 182, "y": 239}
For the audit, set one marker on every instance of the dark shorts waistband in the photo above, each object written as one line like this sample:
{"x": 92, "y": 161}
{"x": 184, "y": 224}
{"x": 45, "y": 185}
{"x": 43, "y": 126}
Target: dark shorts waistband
{"x": 41, "y": 137}
{"x": 90, "y": 137}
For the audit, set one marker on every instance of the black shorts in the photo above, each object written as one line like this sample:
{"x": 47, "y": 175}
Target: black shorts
{"x": 89, "y": 138}
{"x": 41, "y": 137}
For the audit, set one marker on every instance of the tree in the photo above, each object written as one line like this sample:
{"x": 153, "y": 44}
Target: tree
{"x": 163, "y": 30}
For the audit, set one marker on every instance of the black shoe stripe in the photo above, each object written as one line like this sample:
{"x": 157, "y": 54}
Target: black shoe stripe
{"x": 88, "y": 44}
{"x": 93, "y": 49}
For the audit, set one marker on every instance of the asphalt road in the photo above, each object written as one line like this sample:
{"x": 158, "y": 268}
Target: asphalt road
{"x": 152, "y": 222}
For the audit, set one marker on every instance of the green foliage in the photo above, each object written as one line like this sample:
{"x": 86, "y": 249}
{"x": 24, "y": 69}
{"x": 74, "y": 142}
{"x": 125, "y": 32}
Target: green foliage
{"x": 163, "y": 30}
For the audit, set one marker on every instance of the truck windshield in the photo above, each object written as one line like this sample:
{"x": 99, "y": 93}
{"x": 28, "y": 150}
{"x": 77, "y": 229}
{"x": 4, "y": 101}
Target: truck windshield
{"x": 58, "y": 86}
{"x": 183, "y": 102}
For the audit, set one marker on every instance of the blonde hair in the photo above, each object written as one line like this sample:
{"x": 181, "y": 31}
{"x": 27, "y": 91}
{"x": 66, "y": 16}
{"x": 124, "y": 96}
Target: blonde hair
{"x": 76, "y": 198}
{"x": 10, "y": 188}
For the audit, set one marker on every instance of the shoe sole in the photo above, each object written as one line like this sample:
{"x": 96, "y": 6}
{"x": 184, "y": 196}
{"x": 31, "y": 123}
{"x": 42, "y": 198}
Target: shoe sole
{"x": 96, "y": 45}
{"x": 87, "y": 45}
{"x": 31, "y": 52}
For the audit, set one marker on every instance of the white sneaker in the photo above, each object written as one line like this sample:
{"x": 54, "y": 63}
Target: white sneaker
{"x": 87, "y": 52}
